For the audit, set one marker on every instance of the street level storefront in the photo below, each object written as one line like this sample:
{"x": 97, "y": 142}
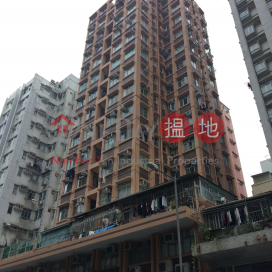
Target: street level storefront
{"x": 122, "y": 235}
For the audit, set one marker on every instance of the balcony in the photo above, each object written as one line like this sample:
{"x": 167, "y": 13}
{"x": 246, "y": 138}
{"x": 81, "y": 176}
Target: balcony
{"x": 62, "y": 238}
{"x": 237, "y": 242}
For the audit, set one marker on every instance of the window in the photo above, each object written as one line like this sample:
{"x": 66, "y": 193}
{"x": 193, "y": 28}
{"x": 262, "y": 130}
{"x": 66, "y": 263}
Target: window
{"x": 26, "y": 214}
{"x": 11, "y": 142}
{"x": 129, "y": 53}
{"x": 269, "y": 112}
{"x": 92, "y": 95}
{"x": 96, "y": 62}
{"x": 154, "y": 62}
{"x": 109, "y": 142}
{"x": 1, "y": 188}
{"x": 126, "y": 134}
{"x": 144, "y": 55}
{"x": 212, "y": 83}
{"x": 182, "y": 81}
{"x": 162, "y": 104}
{"x": 75, "y": 141}
{"x": 141, "y": 253}
{"x": 130, "y": 37}
{"x": 113, "y": 99}
{"x": 10, "y": 208}
{"x": 131, "y": 9}
{"x": 116, "y": 47}
{"x": 193, "y": 64}
{"x": 181, "y": 64}
{"x": 169, "y": 71}
{"x": 129, "y": 71}
{"x": 207, "y": 169}
{"x": 20, "y": 171}
{"x": 110, "y": 121}
{"x": 144, "y": 24}
{"x": 81, "y": 181}
{"x": 178, "y": 33}
{"x": 143, "y": 161}
{"x": 230, "y": 185}
{"x": 144, "y": 71}
{"x": 190, "y": 168}
{"x": 260, "y": 67}
{"x": 94, "y": 78}
{"x": 19, "y": 114}
{"x": 108, "y": 261}
{"x": 63, "y": 213}
{"x": 115, "y": 63}
{"x": 83, "y": 86}
{"x": 196, "y": 81}
{"x": 171, "y": 249}
{"x": 225, "y": 160}
{"x": 108, "y": 170}
{"x": 129, "y": 110}
{"x": 100, "y": 23}
{"x": 254, "y": 47}
{"x": 143, "y": 111}
{"x": 58, "y": 267}
{"x": 155, "y": 118}
{"x": 80, "y": 103}
{"x": 176, "y": 20}
{"x": 114, "y": 81}
{"x": 244, "y": 14}
{"x": 154, "y": 98}
{"x": 267, "y": 87}
{"x": 77, "y": 121}
{"x": 156, "y": 142}
{"x": 88, "y": 134}
{"x": 144, "y": 38}
{"x": 175, "y": 8}
{"x": 249, "y": 30}
{"x": 188, "y": 144}
{"x": 7, "y": 157}
{"x": 124, "y": 189}
{"x": 132, "y": 21}
{"x": 127, "y": 90}
{"x": 117, "y": 33}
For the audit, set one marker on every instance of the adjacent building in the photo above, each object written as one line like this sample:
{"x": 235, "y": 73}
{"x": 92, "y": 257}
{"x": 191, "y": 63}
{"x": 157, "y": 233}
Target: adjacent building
{"x": 253, "y": 22}
{"x": 29, "y": 183}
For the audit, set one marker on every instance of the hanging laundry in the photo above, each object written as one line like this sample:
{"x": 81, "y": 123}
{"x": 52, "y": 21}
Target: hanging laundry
{"x": 164, "y": 201}
{"x": 149, "y": 207}
{"x": 237, "y": 215}
{"x": 154, "y": 205}
{"x": 246, "y": 213}
{"x": 229, "y": 217}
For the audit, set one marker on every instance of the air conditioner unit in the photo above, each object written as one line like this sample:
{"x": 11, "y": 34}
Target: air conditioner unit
{"x": 113, "y": 114}
{"x": 77, "y": 260}
{"x": 80, "y": 200}
{"x": 18, "y": 207}
{"x": 84, "y": 173}
{"x": 173, "y": 145}
{"x": 175, "y": 169}
{"x": 115, "y": 75}
{"x": 147, "y": 88}
{"x": 146, "y": 69}
{"x": 123, "y": 108}
{"x": 132, "y": 31}
{"x": 106, "y": 190}
{"x": 169, "y": 238}
{"x": 111, "y": 250}
{"x": 28, "y": 163}
{"x": 33, "y": 200}
{"x": 143, "y": 183}
{"x": 188, "y": 113}
{"x": 128, "y": 246}
{"x": 186, "y": 267}
{"x": 166, "y": 266}
{"x": 103, "y": 164}
{"x": 128, "y": 21}
{"x": 135, "y": 269}
{"x": 127, "y": 153}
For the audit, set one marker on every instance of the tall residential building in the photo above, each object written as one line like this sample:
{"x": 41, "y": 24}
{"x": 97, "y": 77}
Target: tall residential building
{"x": 228, "y": 140}
{"x": 29, "y": 183}
{"x": 253, "y": 22}
{"x": 142, "y": 60}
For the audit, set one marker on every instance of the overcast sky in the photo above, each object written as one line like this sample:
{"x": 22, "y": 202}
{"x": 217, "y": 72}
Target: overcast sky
{"x": 47, "y": 38}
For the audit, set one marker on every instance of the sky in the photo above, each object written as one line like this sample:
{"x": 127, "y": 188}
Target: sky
{"x": 47, "y": 38}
